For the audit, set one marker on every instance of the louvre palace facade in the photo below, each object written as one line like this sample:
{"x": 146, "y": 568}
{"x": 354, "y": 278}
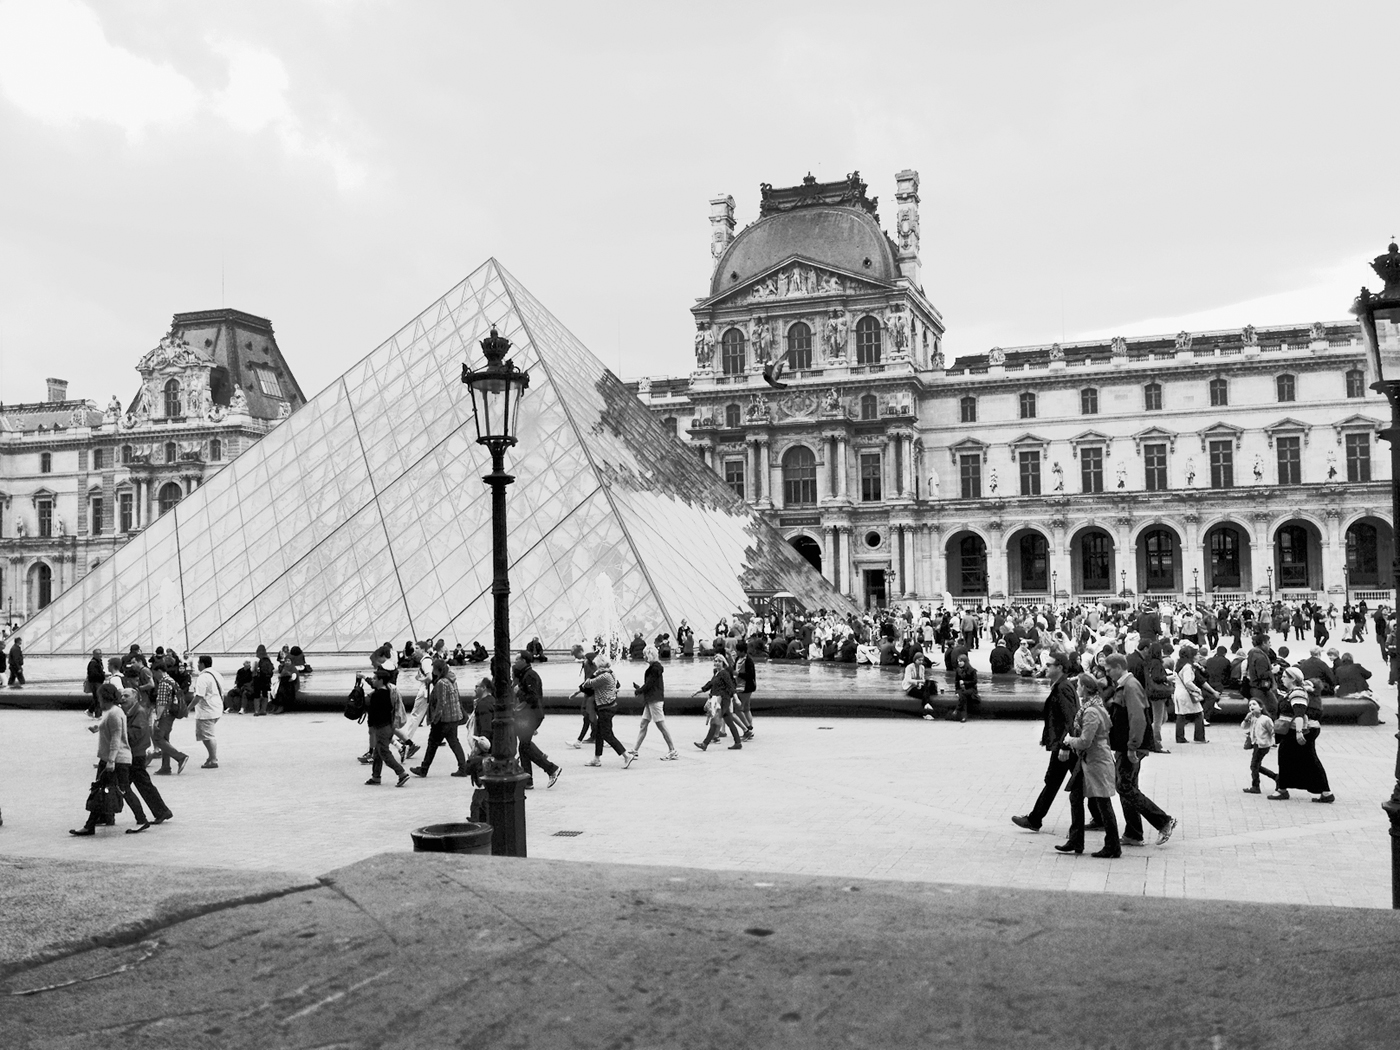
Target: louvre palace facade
{"x": 78, "y": 481}
{"x": 1218, "y": 465}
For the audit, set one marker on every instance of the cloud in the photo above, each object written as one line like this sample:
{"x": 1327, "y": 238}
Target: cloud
{"x": 57, "y": 66}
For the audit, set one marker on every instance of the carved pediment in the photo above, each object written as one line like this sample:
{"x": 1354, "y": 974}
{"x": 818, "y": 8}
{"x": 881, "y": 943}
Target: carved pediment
{"x": 1154, "y": 434}
{"x": 1090, "y": 437}
{"x": 1031, "y": 441}
{"x": 1354, "y": 423}
{"x": 1288, "y": 426}
{"x": 1220, "y": 432}
{"x": 796, "y": 278}
{"x": 968, "y": 446}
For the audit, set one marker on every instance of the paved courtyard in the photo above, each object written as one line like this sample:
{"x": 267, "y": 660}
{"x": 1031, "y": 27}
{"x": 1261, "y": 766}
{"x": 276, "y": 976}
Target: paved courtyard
{"x": 880, "y": 798}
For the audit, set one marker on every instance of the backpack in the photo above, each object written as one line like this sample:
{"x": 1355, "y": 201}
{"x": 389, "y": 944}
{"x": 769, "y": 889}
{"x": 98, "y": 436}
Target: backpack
{"x": 356, "y": 706}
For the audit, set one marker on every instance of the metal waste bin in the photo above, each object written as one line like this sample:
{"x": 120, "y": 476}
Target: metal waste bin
{"x": 453, "y": 838}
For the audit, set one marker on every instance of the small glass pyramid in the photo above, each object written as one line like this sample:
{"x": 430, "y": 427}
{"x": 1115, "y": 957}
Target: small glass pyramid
{"x": 363, "y": 518}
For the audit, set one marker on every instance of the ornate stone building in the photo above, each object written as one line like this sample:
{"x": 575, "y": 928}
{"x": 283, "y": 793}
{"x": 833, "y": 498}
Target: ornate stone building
{"x": 76, "y": 482}
{"x": 1214, "y": 463}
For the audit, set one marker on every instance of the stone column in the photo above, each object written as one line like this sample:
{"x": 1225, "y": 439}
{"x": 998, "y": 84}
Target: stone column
{"x": 823, "y": 473}
{"x": 1333, "y": 550}
{"x": 908, "y": 466}
{"x": 765, "y": 473}
{"x": 830, "y": 565}
{"x": 847, "y": 569}
{"x": 887, "y": 476}
{"x": 1193, "y": 558}
{"x": 842, "y": 467}
{"x": 996, "y": 561}
{"x": 937, "y": 562}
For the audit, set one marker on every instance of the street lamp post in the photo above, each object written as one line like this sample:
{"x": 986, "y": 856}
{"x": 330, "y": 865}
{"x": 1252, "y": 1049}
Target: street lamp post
{"x": 1346, "y": 584}
{"x": 1123, "y": 578}
{"x": 496, "y": 391}
{"x": 1372, "y": 310}
{"x": 1196, "y": 584}
{"x": 1054, "y": 586}
{"x": 1270, "y": 571}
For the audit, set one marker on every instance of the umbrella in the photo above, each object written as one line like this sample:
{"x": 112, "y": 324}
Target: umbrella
{"x": 784, "y": 594}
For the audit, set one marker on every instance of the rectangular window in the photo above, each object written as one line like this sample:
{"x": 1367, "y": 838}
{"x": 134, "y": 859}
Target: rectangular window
{"x": 267, "y": 381}
{"x": 1030, "y": 473}
{"x": 967, "y": 409}
{"x": 45, "y": 517}
{"x": 1290, "y": 460}
{"x": 1154, "y": 461}
{"x": 97, "y": 516}
{"x": 1089, "y": 401}
{"x": 124, "y": 506}
{"x": 1222, "y": 464}
{"x": 734, "y": 476}
{"x": 97, "y": 459}
{"x": 1358, "y": 457}
{"x": 1091, "y": 469}
{"x": 970, "y": 471}
{"x": 870, "y": 477}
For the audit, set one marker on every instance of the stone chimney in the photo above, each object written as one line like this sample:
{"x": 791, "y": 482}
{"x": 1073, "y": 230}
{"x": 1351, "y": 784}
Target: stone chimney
{"x": 58, "y": 389}
{"x": 906, "y": 195}
{"x": 721, "y": 227}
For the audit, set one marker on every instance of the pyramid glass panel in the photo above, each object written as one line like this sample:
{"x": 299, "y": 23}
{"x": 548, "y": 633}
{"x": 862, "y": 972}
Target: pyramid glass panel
{"x": 363, "y": 517}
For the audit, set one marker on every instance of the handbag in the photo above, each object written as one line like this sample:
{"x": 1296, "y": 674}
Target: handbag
{"x": 103, "y": 798}
{"x": 400, "y": 715}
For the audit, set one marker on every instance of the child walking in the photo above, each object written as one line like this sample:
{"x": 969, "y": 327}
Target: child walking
{"x": 1258, "y": 738}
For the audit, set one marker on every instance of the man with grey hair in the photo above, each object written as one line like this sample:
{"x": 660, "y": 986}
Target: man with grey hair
{"x": 1131, "y": 739}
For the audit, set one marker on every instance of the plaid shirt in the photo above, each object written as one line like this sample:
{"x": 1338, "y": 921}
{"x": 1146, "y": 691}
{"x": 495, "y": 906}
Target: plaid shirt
{"x": 446, "y": 707}
{"x": 165, "y": 696}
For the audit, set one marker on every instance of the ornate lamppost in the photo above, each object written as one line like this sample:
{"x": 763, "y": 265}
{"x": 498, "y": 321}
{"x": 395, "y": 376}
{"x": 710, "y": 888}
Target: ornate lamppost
{"x": 1054, "y": 586}
{"x": 1346, "y": 584}
{"x": 496, "y": 391}
{"x": 1382, "y": 356}
{"x": 1270, "y": 571}
{"x": 1123, "y": 578}
{"x": 1196, "y": 584}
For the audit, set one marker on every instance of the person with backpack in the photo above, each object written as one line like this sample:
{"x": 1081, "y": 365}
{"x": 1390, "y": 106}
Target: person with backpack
{"x": 208, "y": 709}
{"x": 444, "y": 716}
{"x": 744, "y": 685}
{"x": 379, "y": 716}
{"x": 529, "y": 715}
{"x": 603, "y": 688}
{"x": 1130, "y": 739}
{"x": 169, "y": 705}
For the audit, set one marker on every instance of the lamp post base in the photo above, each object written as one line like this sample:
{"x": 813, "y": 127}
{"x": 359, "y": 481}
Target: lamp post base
{"x": 505, "y": 812}
{"x": 1392, "y": 810}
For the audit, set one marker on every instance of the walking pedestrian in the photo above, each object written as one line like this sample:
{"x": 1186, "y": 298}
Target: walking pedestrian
{"x": 16, "y": 664}
{"x": 603, "y": 688}
{"x": 138, "y": 732}
{"x": 113, "y": 762}
{"x": 96, "y": 675}
{"x": 744, "y": 685}
{"x": 721, "y": 690}
{"x": 529, "y": 714}
{"x": 1258, "y": 741}
{"x": 169, "y": 703}
{"x": 1094, "y": 774}
{"x": 379, "y": 716}
{"x": 445, "y": 716}
{"x": 1296, "y": 732}
{"x": 208, "y": 709}
{"x": 1187, "y": 697}
{"x": 1057, "y": 719}
{"x": 653, "y": 694}
{"x": 1131, "y": 741}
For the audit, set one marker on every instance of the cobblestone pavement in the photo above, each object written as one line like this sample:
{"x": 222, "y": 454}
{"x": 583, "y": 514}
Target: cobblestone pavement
{"x": 880, "y": 798}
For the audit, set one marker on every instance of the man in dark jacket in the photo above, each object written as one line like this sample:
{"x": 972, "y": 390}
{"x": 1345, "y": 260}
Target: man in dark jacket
{"x": 1218, "y": 670}
{"x": 1259, "y": 670}
{"x": 1129, "y": 711}
{"x": 1316, "y": 669}
{"x": 1001, "y": 659}
{"x": 529, "y": 713}
{"x": 1057, "y": 716}
{"x": 16, "y": 664}
{"x": 96, "y": 675}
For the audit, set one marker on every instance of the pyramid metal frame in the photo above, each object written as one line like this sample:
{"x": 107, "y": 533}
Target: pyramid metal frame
{"x": 362, "y": 518}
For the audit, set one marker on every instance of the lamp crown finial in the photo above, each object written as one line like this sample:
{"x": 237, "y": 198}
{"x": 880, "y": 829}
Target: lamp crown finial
{"x": 494, "y": 347}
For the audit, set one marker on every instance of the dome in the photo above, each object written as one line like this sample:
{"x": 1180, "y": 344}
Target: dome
{"x": 834, "y": 236}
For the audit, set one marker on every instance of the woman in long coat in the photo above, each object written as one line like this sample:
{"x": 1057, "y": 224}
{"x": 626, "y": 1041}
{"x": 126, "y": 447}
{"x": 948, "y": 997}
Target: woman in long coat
{"x": 1186, "y": 697}
{"x": 1298, "y": 764}
{"x": 1094, "y": 774}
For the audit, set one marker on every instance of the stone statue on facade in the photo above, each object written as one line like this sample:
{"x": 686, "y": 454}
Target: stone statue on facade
{"x": 704, "y": 347}
{"x": 834, "y": 336}
{"x": 1248, "y": 336}
{"x": 142, "y": 411}
{"x": 1057, "y": 472}
{"x": 761, "y": 336}
{"x": 832, "y": 403}
{"x": 1183, "y": 340}
{"x": 1190, "y": 471}
{"x": 114, "y": 410}
{"x": 1118, "y": 346}
{"x": 758, "y": 407}
{"x": 643, "y": 387}
{"x": 1331, "y": 466}
{"x": 1057, "y": 352}
{"x": 908, "y": 228}
{"x": 238, "y": 403}
{"x": 1122, "y": 475}
{"x": 58, "y": 526}
{"x": 993, "y": 482}
{"x": 996, "y": 356}
{"x": 1318, "y": 330}
{"x": 284, "y": 410}
{"x": 933, "y": 485}
{"x": 1258, "y": 469}
{"x": 898, "y": 326}
{"x": 21, "y": 529}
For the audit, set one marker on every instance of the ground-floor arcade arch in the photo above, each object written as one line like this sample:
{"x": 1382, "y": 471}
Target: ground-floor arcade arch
{"x": 1228, "y": 557}
{"x": 1370, "y": 553}
{"x": 1160, "y": 565}
{"x": 1093, "y": 561}
{"x": 808, "y": 548}
{"x": 967, "y": 565}
{"x": 1028, "y": 570}
{"x": 1297, "y": 557}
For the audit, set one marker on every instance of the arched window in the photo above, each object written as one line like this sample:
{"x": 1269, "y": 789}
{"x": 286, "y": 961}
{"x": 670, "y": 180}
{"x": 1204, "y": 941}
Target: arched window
{"x": 1363, "y": 561}
{"x": 170, "y": 453}
{"x": 799, "y": 347}
{"x": 172, "y": 399}
{"x": 1089, "y": 401}
{"x": 45, "y": 580}
{"x": 972, "y": 553}
{"x": 869, "y": 406}
{"x": 1035, "y": 562}
{"x": 170, "y": 494}
{"x": 967, "y": 409}
{"x": 1224, "y": 559}
{"x": 216, "y": 447}
{"x": 45, "y": 462}
{"x": 1356, "y": 383}
{"x": 799, "y": 477}
{"x": 732, "y": 352}
{"x": 126, "y": 454}
{"x": 1095, "y": 560}
{"x": 867, "y": 341}
{"x": 1292, "y": 545}
{"x": 1152, "y": 397}
{"x": 1287, "y": 388}
{"x": 1219, "y": 393}
{"x": 1160, "y": 547}
{"x": 733, "y": 417}
{"x": 1027, "y": 406}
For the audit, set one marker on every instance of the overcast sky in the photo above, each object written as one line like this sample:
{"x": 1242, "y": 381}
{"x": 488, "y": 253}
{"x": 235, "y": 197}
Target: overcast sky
{"x": 337, "y": 165}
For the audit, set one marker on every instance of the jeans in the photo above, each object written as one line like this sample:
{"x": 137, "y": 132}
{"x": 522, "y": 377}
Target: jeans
{"x": 531, "y": 755}
{"x": 1159, "y": 719}
{"x": 1256, "y": 767}
{"x": 16, "y": 675}
{"x": 120, "y": 774}
{"x": 383, "y": 737}
{"x": 141, "y": 781}
{"x": 160, "y": 736}
{"x": 605, "y": 735}
{"x": 1055, "y": 774}
{"x": 1102, "y": 808}
{"x": 1199, "y": 718}
{"x": 1137, "y": 807}
{"x": 438, "y": 732}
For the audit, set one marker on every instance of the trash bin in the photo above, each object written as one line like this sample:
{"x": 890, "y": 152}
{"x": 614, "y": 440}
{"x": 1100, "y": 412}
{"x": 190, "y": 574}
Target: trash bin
{"x": 453, "y": 838}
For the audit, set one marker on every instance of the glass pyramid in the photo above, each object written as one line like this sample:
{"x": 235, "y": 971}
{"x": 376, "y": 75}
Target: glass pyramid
{"x": 363, "y": 518}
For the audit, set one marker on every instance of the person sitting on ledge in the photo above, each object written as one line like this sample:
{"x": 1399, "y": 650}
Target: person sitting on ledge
{"x": 459, "y": 656}
{"x": 796, "y": 650}
{"x": 663, "y": 646}
{"x": 534, "y": 651}
{"x": 686, "y": 637}
{"x": 637, "y": 647}
{"x": 758, "y": 645}
{"x": 1352, "y": 678}
{"x": 479, "y": 654}
{"x": 1025, "y": 660}
{"x": 1316, "y": 669}
{"x": 888, "y": 656}
{"x": 1219, "y": 671}
{"x": 847, "y": 653}
{"x": 1001, "y": 658}
{"x": 829, "y": 649}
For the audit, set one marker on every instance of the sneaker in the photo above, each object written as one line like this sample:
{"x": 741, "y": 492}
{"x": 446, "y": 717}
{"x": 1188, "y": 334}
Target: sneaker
{"x": 403, "y": 779}
{"x": 554, "y": 777}
{"x": 595, "y": 762}
{"x": 373, "y": 780}
{"x": 419, "y": 771}
{"x": 628, "y": 759}
{"x": 410, "y": 749}
{"x": 671, "y": 756}
{"x": 576, "y": 745}
{"x": 928, "y": 718}
{"x": 747, "y": 736}
{"x": 180, "y": 765}
{"x": 161, "y": 773}
{"x": 1166, "y": 832}
{"x": 1025, "y": 822}
{"x": 1125, "y": 840}
{"x": 701, "y": 746}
